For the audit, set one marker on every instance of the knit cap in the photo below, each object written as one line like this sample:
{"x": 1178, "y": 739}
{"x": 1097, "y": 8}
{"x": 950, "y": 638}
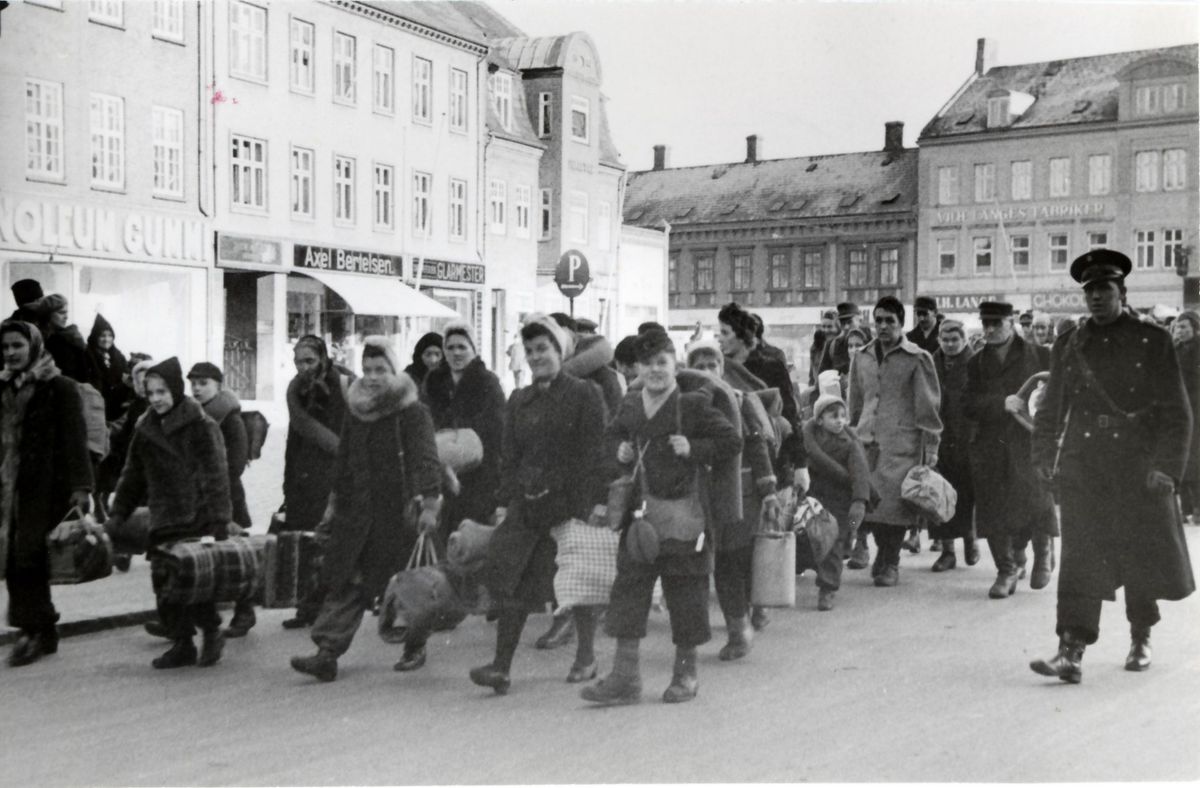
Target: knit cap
{"x": 824, "y": 401}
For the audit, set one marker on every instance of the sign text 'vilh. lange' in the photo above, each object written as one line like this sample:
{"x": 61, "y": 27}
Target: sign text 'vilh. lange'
{"x": 351, "y": 261}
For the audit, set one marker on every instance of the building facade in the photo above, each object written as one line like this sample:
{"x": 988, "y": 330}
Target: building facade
{"x": 1029, "y": 166}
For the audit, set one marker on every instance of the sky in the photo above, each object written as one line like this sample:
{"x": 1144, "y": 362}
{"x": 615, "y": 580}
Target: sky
{"x": 817, "y": 77}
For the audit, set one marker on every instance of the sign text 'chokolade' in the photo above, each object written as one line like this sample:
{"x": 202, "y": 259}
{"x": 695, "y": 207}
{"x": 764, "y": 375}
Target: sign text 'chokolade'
{"x": 351, "y": 261}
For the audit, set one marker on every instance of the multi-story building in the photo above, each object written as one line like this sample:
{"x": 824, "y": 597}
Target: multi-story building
{"x": 783, "y": 237}
{"x": 1028, "y": 166}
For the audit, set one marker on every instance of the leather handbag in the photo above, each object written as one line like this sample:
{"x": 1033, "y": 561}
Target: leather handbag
{"x": 459, "y": 449}
{"x": 420, "y": 598}
{"x": 82, "y": 555}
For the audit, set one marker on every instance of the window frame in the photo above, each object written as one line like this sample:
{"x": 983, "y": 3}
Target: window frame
{"x": 948, "y": 192}
{"x": 458, "y": 209}
{"x": 111, "y": 141}
{"x": 1059, "y": 181}
{"x": 1025, "y": 179}
{"x": 422, "y": 194}
{"x": 985, "y": 182}
{"x": 422, "y": 90}
{"x": 522, "y": 210}
{"x": 737, "y": 271}
{"x": 1174, "y": 178}
{"x": 110, "y": 13}
{"x": 942, "y": 253}
{"x": 1145, "y": 176}
{"x": 251, "y": 11}
{"x": 673, "y": 273}
{"x": 1144, "y": 243}
{"x": 45, "y": 123}
{"x": 459, "y": 100}
{"x": 853, "y": 263}
{"x": 502, "y": 98}
{"x": 297, "y": 46}
{"x": 387, "y": 192}
{"x": 546, "y": 226}
{"x": 880, "y": 251}
{"x": 1172, "y": 246}
{"x": 708, "y": 270}
{"x": 1099, "y": 177}
{"x": 299, "y": 177}
{"x": 168, "y": 25}
{"x": 497, "y": 206}
{"x": 779, "y": 261}
{"x": 1052, "y": 248}
{"x": 545, "y": 128}
{"x": 345, "y": 66}
{"x": 159, "y": 142}
{"x": 586, "y": 111}
{"x": 806, "y": 259}
{"x": 983, "y": 246}
{"x": 248, "y": 168}
{"x": 345, "y": 211}
{"x": 1024, "y": 248}
{"x": 388, "y": 105}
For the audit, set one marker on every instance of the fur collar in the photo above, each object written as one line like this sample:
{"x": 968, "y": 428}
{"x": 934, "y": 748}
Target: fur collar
{"x": 178, "y": 417}
{"x": 222, "y": 405}
{"x": 591, "y": 353}
{"x": 399, "y": 393}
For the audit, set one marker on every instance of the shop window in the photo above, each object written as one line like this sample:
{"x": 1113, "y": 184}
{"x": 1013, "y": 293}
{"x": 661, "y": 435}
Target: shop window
{"x": 813, "y": 268}
{"x": 858, "y": 272}
{"x": 1022, "y": 180}
{"x": 458, "y": 100}
{"x": 107, "y": 115}
{"x": 1060, "y": 251}
{"x": 167, "y": 130}
{"x": 422, "y": 90}
{"x": 108, "y": 12}
{"x": 248, "y": 177}
{"x": 705, "y": 281}
{"x": 498, "y": 207}
{"x": 947, "y": 255}
{"x": 1018, "y": 250}
{"x": 1143, "y": 242}
{"x": 302, "y": 36}
{"x": 604, "y": 226}
{"x": 502, "y": 86}
{"x": 302, "y": 183}
{"x": 385, "y": 197}
{"x": 1174, "y": 169}
{"x": 947, "y": 185}
{"x": 889, "y": 267}
{"x": 1172, "y": 248}
{"x": 547, "y": 223}
{"x": 1099, "y": 174}
{"x": 1060, "y": 177}
{"x": 247, "y": 41}
{"x": 985, "y": 183}
{"x": 545, "y": 114}
{"x": 168, "y": 20}
{"x": 383, "y": 83}
{"x": 580, "y": 116}
{"x": 1145, "y": 165}
{"x": 345, "y": 68}
{"x": 458, "y": 209}
{"x": 43, "y": 129}
{"x": 577, "y": 213}
{"x": 982, "y": 247}
{"x": 522, "y": 206}
{"x": 422, "y": 186}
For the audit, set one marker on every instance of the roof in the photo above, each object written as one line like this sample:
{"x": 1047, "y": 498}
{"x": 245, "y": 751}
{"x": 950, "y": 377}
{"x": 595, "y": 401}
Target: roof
{"x": 440, "y": 16}
{"x": 1067, "y": 92}
{"x": 847, "y": 184}
{"x": 491, "y": 24}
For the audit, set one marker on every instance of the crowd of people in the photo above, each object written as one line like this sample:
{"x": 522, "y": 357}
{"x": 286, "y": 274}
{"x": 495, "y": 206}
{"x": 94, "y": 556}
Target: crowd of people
{"x": 1024, "y": 419}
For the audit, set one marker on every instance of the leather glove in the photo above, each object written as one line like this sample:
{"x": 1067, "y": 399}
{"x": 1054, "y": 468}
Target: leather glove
{"x": 771, "y": 511}
{"x": 1159, "y": 482}
{"x": 81, "y": 500}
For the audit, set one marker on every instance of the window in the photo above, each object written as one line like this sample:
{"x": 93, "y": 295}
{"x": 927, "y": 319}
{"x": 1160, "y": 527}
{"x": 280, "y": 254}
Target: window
{"x": 577, "y": 211}
{"x": 982, "y": 247}
{"x": 1174, "y": 169}
{"x": 1144, "y": 245}
{"x": 743, "y": 272}
{"x": 947, "y": 254}
{"x": 604, "y": 226}
{"x": 857, "y": 272}
{"x": 1173, "y": 97}
{"x": 502, "y": 99}
{"x": 383, "y": 83}
{"x": 947, "y": 186}
{"x": 997, "y": 112}
{"x": 1099, "y": 174}
{"x": 704, "y": 273}
{"x": 458, "y": 209}
{"x": 1022, "y": 180}
{"x": 110, "y": 12}
{"x": 458, "y": 100}
{"x": 302, "y": 183}
{"x": 1145, "y": 165}
{"x": 547, "y": 213}
{"x": 497, "y": 206}
{"x": 1146, "y": 100}
{"x": 1060, "y": 251}
{"x": 422, "y": 90}
{"x": 522, "y": 205}
{"x": 108, "y": 141}
{"x": 1018, "y": 246}
{"x": 345, "y": 49}
{"x": 1060, "y": 177}
{"x": 43, "y": 129}
{"x": 580, "y": 110}
{"x": 779, "y": 273}
{"x": 1097, "y": 239}
{"x": 673, "y": 273}
{"x": 422, "y": 183}
{"x": 248, "y": 184}
{"x": 167, "y": 129}
{"x": 247, "y": 41}
{"x": 168, "y": 19}
{"x": 343, "y": 190}
{"x": 1172, "y": 248}
{"x": 985, "y": 183}
{"x": 301, "y": 66}
{"x": 889, "y": 266}
{"x": 812, "y": 268}
{"x": 385, "y": 197}
{"x": 545, "y": 115}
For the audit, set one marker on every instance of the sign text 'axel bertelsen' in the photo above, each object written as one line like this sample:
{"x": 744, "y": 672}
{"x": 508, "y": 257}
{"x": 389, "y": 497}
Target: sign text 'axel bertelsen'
{"x": 324, "y": 258}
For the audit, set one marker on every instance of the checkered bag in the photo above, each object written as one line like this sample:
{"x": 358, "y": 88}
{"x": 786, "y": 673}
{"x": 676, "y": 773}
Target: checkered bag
{"x": 204, "y": 570}
{"x": 587, "y": 563}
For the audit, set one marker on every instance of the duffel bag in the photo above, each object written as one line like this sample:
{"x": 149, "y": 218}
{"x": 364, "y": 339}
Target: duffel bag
{"x": 204, "y": 570}
{"x": 929, "y": 493}
{"x": 79, "y": 553}
{"x": 420, "y": 598}
{"x": 587, "y": 563}
{"x": 467, "y": 547}
{"x": 131, "y": 535}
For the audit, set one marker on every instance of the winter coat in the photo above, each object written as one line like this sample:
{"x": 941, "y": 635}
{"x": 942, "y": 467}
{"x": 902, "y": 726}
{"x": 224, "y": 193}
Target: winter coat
{"x": 71, "y": 356}
{"x": 837, "y": 469}
{"x": 176, "y": 465}
{"x": 226, "y": 411}
{"x": 553, "y": 468}
{"x": 382, "y": 465}
{"x": 815, "y": 352}
{"x": 775, "y": 374}
{"x": 120, "y": 435}
{"x": 476, "y": 403}
{"x": 954, "y": 454}
{"x": 110, "y": 367}
{"x": 1188, "y": 354}
{"x": 590, "y": 361}
{"x": 927, "y": 343}
{"x": 1114, "y": 530}
{"x": 894, "y": 403}
{"x": 1008, "y": 497}
{"x": 314, "y": 426}
{"x": 837, "y": 353}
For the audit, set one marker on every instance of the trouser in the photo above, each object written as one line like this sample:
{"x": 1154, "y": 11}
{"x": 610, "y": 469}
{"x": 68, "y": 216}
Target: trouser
{"x": 732, "y": 577}
{"x": 888, "y": 539}
{"x": 29, "y": 605}
{"x": 181, "y": 620}
{"x": 629, "y": 604}
{"x": 1008, "y": 550}
{"x": 237, "y": 498}
{"x": 340, "y": 617}
{"x": 829, "y": 570}
{"x": 1079, "y": 616}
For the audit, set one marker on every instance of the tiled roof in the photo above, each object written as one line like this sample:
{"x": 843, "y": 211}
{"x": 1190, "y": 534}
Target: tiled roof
{"x": 1066, "y": 92}
{"x": 437, "y": 15}
{"x": 845, "y": 184}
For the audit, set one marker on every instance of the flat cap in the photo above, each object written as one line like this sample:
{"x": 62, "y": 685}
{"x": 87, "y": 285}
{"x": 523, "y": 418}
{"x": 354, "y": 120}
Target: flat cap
{"x": 206, "y": 369}
{"x": 995, "y": 309}
{"x": 1100, "y": 265}
{"x": 925, "y": 302}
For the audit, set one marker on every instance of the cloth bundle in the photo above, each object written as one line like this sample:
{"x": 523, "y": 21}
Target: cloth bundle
{"x": 420, "y": 598}
{"x": 467, "y": 547}
{"x": 83, "y": 555}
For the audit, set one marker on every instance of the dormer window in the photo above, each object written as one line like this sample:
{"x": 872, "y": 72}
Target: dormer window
{"x": 1005, "y": 106}
{"x": 997, "y": 111}
{"x": 1159, "y": 99}
{"x": 502, "y": 98}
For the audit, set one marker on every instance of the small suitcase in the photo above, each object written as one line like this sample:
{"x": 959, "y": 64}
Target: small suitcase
{"x": 289, "y": 561}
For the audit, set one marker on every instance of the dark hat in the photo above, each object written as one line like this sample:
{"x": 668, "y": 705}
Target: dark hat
{"x": 847, "y": 310}
{"x": 651, "y": 343}
{"x": 586, "y": 326}
{"x": 26, "y": 291}
{"x": 995, "y": 309}
{"x": 1100, "y": 265}
{"x": 206, "y": 369}
{"x": 1027, "y": 317}
{"x": 829, "y": 314}
{"x": 564, "y": 320}
{"x": 172, "y": 374}
{"x": 925, "y": 302}
{"x": 649, "y": 324}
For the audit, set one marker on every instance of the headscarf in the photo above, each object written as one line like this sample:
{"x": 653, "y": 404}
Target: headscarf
{"x": 537, "y": 324}
{"x": 172, "y": 374}
{"x": 38, "y": 362}
{"x": 15, "y": 396}
{"x": 417, "y": 369}
{"x": 1193, "y": 318}
{"x": 312, "y": 385}
{"x": 463, "y": 330}
{"x": 137, "y": 376}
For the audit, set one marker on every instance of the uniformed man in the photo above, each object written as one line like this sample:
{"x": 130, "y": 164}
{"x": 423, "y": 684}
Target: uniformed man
{"x": 1112, "y": 436}
{"x": 837, "y": 355}
{"x": 925, "y": 333}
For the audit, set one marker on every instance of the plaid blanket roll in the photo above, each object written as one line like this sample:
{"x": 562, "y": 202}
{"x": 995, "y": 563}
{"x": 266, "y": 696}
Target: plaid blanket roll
{"x": 191, "y": 571}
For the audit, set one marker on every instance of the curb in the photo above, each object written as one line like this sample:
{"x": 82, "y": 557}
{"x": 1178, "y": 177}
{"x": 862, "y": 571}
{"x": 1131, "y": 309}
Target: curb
{"x": 90, "y": 626}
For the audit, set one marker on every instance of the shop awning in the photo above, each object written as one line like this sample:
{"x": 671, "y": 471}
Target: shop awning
{"x": 379, "y": 295}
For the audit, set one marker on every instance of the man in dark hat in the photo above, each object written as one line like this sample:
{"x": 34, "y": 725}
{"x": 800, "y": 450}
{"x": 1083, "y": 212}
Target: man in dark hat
{"x": 1112, "y": 437}
{"x": 1011, "y": 508}
{"x": 824, "y": 336}
{"x": 1026, "y": 321}
{"x": 837, "y": 355}
{"x": 925, "y": 333}
{"x": 25, "y": 293}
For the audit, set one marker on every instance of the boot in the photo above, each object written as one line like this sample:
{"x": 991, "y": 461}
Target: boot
{"x": 738, "y": 644}
{"x": 759, "y": 618}
{"x": 1139, "y": 650}
{"x": 970, "y": 551}
{"x": 30, "y": 648}
{"x": 684, "y": 684}
{"x": 1005, "y": 585}
{"x": 1066, "y": 664}
{"x": 825, "y": 599}
{"x": 560, "y": 633}
{"x": 889, "y": 575}
{"x": 947, "y": 560}
{"x": 181, "y": 654}
{"x": 243, "y": 620}
{"x": 322, "y": 665}
{"x": 158, "y": 629}
{"x": 492, "y": 676}
{"x": 860, "y": 556}
{"x": 1043, "y": 562}
{"x": 412, "y": 658}
{"x": 912, "y": 542}
{"x": 624, "y": 684}
{"x": 297, "y": 622}
{"x": 211, "y": 648}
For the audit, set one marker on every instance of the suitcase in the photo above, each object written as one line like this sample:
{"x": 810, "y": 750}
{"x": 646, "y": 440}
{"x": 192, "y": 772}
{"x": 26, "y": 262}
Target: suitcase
{"x": 290, "y": 567}
{"x": 204, "y": 570}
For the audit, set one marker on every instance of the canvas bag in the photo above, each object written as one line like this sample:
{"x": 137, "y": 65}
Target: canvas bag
{"x": 419, "y": 598}
{"x": 928, "y": 491}
{"x": 587, "y": 563}
{"x": 673, "y": 518}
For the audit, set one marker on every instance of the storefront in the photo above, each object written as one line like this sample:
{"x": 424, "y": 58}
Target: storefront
{"x": 457, "y": 286}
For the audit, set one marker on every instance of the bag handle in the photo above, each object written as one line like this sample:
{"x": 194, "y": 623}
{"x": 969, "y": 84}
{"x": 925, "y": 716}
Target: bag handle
{"x": 424, "y": 553}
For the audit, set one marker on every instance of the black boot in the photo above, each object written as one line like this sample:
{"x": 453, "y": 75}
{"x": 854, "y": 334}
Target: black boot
{"x": 181, "y": 654}
{"x": 30, "y": 647}
{"x": 622, "y": 686}
{"x": 561, "y": 632}
{"x": 413, "y": 658}
{"x": 243, "y": 620}
{"x": 322, "y": 665}
{"x": 211, "y": 648}
{"x": 1139, "y": 650}
{"x": 492, "y": 676}
{"x": 1043, "y": 561}
{"x": 684, "y": 684}
{"x": 1066, "y": 664}
{"x": 738, "y": 644}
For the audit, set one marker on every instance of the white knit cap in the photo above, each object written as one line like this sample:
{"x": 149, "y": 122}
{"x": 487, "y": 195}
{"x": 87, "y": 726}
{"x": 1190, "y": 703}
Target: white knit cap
{"x": 824, "y": 401}
{"x": 561, "y": 337}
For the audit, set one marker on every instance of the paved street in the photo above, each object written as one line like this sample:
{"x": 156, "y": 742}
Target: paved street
{"x": 925, "y": 682}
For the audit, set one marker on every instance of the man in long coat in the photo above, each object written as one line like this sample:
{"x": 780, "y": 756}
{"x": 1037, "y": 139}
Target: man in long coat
{"x": 1011, "y": 508}
{"x": 1112, "y": 434}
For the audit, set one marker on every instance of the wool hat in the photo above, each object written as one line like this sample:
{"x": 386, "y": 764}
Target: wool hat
{"x": 1026, "y": 318}
{"x": 26, "y": 291}
{"x": 824, "y": 401}
{"x": 48, "y": 305}
{"x": 382, "y": 346}
{"x": 206, "y": 369}
{"x": 995, "y": 309}
{"x": 847, "y": 310}
{"x": 651, "y": 343}
{"x": 649, "y": 324}
{"x": 539, "y": 324}
{"x": 703, "y": 346}
{"x": 926, "y": 303}
{"x": 860, "y": 333}
{"x": 99, "y": 326}
{"x": 1100, "y": 265}
{"x": 172, "y": 374}
{"x": 463, "y": 330}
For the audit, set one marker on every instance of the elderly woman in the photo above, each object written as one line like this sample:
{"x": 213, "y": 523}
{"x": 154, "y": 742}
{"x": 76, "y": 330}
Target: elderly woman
{"x": 553, "y": 470}
{"x": 386, "y": 457}
{"x": 426, "y": 356}
{"x": 894, "y": 400}
{"x": 1185, "y": 332}
{"x": 176, "y": 464}
{"x": 44, "y": 473}
{"x": 954, "y": 461}
{"x": 667, "y": 438}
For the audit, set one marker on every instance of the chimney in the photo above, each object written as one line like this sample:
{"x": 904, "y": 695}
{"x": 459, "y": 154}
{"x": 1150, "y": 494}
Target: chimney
{"x": 752, "y": 148}
{"x": 661, "y": 157}
{"x": 985, "y": 55}
{"x": 893, "y": 135}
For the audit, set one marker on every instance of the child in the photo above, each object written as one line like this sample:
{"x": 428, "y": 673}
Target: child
{"x": 840, "y": 481}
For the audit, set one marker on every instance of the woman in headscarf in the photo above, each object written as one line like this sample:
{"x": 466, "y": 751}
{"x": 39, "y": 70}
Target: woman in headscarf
{"x": 111, "y": 368}
{"x": 426, "y": 356}
{"x": 386, "y": 458}
{"x": 553, "y": 470}
{"x": 1185, "y": 332}
{"x": 954, "y": 460}
{"x": 44, "y": 473}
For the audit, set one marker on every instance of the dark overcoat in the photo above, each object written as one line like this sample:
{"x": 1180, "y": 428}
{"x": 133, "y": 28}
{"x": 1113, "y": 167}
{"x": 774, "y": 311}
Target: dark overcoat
{"x": 315, "y": 422}
{"x": 1116, "y": 532}
{"x": 927, "y": 342}
{"x": 553, "y": 469}
{"x": 226, "y": 411}
{"x": 1189, "y": 364}
{"x": 1008, "y": 497}
{"x": 954, "y": 454}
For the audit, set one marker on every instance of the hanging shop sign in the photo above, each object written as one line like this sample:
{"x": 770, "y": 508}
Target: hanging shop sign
{"x": 237, "y": 250}
{"x": 350, "y": 261}
{"x": 446, "y": 271}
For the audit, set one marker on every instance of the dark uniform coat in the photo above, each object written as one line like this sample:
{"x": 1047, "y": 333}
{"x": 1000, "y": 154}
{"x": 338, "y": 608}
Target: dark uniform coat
{"x": 1115, "y": 531}
{"x": 1008, "y": 497}
{"x": 954, "y": 455}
